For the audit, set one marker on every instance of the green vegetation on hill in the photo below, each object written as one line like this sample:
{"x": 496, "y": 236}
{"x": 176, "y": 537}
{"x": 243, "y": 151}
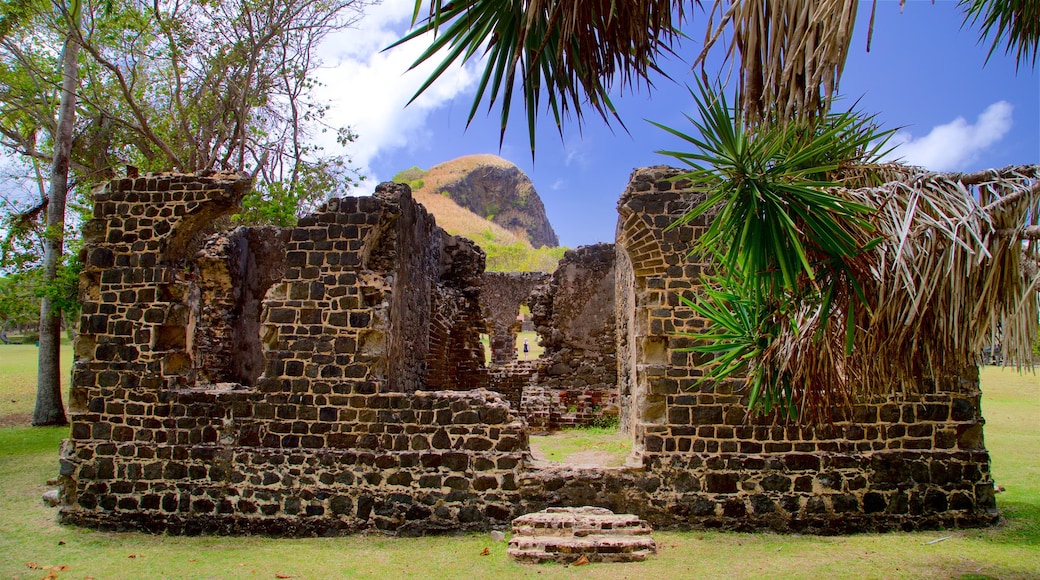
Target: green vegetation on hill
{"x": 413, "y": 177}
{"x": 520, "y": 257}
{"x": 506, "y": 251}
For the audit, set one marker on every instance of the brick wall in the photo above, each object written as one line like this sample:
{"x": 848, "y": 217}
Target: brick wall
{"x": 172, "y": 431}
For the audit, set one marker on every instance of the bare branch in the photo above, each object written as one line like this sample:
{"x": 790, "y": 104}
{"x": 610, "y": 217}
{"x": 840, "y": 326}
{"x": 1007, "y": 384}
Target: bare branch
{"x": 1000, "y": 204}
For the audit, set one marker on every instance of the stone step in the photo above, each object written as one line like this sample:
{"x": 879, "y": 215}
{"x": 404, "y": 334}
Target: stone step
{"x": 566, "y": 534}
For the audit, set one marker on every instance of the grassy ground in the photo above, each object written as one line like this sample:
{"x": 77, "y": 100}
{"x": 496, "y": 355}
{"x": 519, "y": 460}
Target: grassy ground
{"x": 574, "y": 445}
{"x": 18, "y": 381}
{"x": 535, "y": 349}
{"x": 30, "y": 535}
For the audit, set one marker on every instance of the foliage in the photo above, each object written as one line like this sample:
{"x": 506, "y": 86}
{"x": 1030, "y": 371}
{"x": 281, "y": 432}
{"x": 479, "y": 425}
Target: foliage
{"x": 1016, "y": 23}
{"x": 520, "y": 257}
{"x": 779, "y": 220}
{"x": 565, "y": 52}
{"x": 607, "y": 423}
{"x": 187, "y": 86}
{"x": 832, "y": 273}
{"x": 788, "y": 55}
{"x": 413, "y": 177}
{"x": 19, "y": 302}
{"x": 281, "y": 203}
{"x": 785, "y": 243}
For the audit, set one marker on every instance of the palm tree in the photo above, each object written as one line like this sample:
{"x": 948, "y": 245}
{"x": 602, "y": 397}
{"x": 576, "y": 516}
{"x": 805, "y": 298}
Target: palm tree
{"x": 569, "y": 53}
{"x": 835, "y": 271}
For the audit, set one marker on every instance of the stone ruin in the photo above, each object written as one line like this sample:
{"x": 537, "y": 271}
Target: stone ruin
{"x": 329, "y": 378}
{"x": 574, "y": 382}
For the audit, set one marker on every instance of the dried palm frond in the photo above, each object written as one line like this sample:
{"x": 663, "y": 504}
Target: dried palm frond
{"x": 953, "y": 275}
{"x": 841, "y": 277}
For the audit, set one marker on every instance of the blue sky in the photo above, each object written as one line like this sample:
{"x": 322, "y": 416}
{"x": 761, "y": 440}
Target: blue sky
{"x": 925, "y": 74}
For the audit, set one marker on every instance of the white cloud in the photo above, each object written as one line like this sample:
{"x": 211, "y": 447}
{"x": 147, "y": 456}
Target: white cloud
{"x": 956, "y": 144}
{"x": 367, "y": 89}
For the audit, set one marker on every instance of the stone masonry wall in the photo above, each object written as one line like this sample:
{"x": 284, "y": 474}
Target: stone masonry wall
{"x": 910, "y": 460}
{"x": 339, "y": 433}
{"x": 576, "y": 379}
{"x": 501, "y": 296}
{"x": 328, "y": 378}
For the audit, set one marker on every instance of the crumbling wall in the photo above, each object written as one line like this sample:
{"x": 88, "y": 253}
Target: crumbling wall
{"x": 456, "y": 357}
{"x": 501, "y": 296}
{"x": 906, "y": 461}
{"x": 576, "y": 379}
{"x": 337, "y": 434}
{"x": 235, "y": 270}
{"x": 370, "y": 411}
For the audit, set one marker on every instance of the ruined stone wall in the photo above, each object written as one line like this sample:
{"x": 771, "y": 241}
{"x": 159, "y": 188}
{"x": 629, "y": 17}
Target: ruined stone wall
{"x": 902, "y": 462}
{"x": 501, "y": 296}
{"x": 371, "y": 412}
{"x": 510, "y": 380}
{"x": 576, "y": 379}
{"x": 235, "y": 270}
{"x": 337, "y": 433}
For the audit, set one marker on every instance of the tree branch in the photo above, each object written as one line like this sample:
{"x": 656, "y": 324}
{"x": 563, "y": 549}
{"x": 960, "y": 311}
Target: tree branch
{"x": 127, "y": 93}
{"x": 1026, "y": 233}
{"x": 999, "y": 205}
{"x": 991, "y": 175}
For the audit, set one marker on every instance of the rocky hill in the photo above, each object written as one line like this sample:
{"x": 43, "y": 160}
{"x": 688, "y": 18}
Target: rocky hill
{"x": 492, "y": 188}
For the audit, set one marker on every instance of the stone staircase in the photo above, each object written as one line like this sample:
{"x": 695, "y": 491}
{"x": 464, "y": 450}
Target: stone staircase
{"x": 564, "y": 535}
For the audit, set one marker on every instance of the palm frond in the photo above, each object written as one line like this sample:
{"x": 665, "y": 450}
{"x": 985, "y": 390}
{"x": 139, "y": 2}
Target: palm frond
{"x": 1015, "y": 23}
{"x": 569, "y": 52}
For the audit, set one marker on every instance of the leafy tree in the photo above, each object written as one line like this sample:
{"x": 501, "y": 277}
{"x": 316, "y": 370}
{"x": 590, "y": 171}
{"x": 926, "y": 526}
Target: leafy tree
{"x": 90, "y": 86}
{"x": 19, "y": 305}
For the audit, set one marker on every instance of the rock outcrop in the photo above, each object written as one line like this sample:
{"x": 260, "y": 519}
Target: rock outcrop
{"x": 497, "y": 190}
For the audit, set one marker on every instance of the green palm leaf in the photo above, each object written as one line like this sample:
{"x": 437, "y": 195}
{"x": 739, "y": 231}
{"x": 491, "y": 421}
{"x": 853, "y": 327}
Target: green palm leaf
{"x": 568, "y": 52}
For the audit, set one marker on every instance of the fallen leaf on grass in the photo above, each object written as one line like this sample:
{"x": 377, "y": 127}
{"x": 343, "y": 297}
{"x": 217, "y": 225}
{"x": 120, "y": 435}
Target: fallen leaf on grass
{"x": 61, "y": 542}
{"x": 33, "y": 565}
{"x": 581, "y": 561}
{"x": 282, "y": 576}
{"x": 485, "y": 551}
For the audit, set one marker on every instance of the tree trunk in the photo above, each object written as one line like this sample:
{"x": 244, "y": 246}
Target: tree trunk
{"x": 49, "y": 408}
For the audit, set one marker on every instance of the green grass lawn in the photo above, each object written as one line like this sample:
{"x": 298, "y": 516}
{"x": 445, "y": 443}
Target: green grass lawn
{"x": 18, "y": 380}
{"x": 610, "y": 444}
{"x": 1011, "y": 404}
{"x": 535, "y": 349}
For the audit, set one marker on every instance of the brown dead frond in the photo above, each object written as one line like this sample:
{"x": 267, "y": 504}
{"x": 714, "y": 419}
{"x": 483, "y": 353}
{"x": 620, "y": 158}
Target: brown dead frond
{"x": 955, "y": 272}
